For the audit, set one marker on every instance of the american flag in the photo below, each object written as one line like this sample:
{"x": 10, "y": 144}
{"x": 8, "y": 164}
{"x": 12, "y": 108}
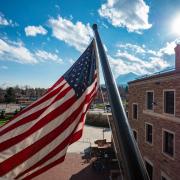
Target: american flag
{"x": 38, "y": 137}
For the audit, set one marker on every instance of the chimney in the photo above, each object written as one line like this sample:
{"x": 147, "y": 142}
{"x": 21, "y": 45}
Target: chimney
{"x": 177, "y": 57}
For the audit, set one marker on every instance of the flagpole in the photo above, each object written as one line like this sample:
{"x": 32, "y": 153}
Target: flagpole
{"x": 131, "y": 160}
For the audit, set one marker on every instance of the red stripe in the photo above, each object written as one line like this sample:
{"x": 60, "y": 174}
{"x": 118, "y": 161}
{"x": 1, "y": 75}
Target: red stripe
{"x": 77, "y": 135}
{"x": 22, "y": 156}
{"x": 33, "y": 116}
{"x": 74, "y": 137}
{"x": 42, "y": 122}
{"x": 57, "y": 82}
{"x": 55, "y": 151}
{"x": 51, "y": 165}
{"x": 60, "y": 147}
{"x": 60, "y": 160}
{"x": 45, "y": 98}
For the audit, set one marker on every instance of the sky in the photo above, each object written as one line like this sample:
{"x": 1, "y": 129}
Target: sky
{"x": 40, "y": 40}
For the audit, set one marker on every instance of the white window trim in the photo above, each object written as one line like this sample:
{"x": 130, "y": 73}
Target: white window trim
{"x": 136, "y": 133}
{"x": 150, "y": 162}
{"x": 133, "y": 111}
{"x": 164, "y": 153}
{"x": 146, "y": 133}
{"x": 146, "y": 100}
{"x": 165, "y": 90}
{"x": 165, "y": 175}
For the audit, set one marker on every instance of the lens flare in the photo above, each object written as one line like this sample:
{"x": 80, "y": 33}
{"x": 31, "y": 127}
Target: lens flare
{"x": 176, "y": 25}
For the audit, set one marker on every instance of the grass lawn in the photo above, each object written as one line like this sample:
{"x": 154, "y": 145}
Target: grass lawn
{"x": 100, "y": 106}
{"x": 4, "y": 120}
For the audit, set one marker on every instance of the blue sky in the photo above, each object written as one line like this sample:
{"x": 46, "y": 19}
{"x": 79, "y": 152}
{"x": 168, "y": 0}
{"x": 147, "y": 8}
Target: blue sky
{"x": 39, "y": 40}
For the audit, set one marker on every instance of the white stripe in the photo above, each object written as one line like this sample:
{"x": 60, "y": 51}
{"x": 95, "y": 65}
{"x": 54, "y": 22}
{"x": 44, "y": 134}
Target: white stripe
{"x": 61, "y": 154}
{"x": 36, "y": 108}
{"x": 43, "y": 152}
{"x": 43, "y": 131}
{"x": 57, "y": 156}
{"x": 27, "y": 126}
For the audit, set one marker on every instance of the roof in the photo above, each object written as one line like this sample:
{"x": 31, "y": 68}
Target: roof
{"x": 167, "y": 72}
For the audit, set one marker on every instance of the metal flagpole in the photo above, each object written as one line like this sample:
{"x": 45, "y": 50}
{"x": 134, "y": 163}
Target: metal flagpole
{"x": 132, "y": 162}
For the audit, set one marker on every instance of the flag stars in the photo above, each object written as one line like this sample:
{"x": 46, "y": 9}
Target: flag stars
{"x": 80, "y": 76}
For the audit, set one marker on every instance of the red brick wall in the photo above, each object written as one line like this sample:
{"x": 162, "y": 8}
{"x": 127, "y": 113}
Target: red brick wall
{"x": 137, "y": 94}
{"x": 177, "y": 54}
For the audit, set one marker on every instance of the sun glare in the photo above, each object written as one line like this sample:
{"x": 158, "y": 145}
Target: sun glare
{"x": 176, "y": 25}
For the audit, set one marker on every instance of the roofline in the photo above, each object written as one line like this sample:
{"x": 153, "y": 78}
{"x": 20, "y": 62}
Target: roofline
{"x": 157, "y": 75}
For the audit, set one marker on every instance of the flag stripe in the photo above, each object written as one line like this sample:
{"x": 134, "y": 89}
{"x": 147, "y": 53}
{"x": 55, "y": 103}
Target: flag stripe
{"x": 17, "y": 159}
{"x": 50, "y": 117}
{"x": 41, "y": 118}
{"x": 29, "y": 118}
{"x": 45, "y": 168}
{"x": 49, "y": 127}
{"x": 26, "y": 127}
{"x": 59, "y": 148}
{"x": 22, "y": 114}
{"x": 74, "y": 137}
{"x": 56, "y": 84}
{"x": 38, "y": 137}
{"x": 54, "y": 154}
{"x": 56, "y": 162}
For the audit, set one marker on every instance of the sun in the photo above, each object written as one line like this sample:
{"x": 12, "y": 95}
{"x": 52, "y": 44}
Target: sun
{"x": 176, "y": 25}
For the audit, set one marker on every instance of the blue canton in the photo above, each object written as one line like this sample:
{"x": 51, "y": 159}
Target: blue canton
{"x": 81, "y": 74}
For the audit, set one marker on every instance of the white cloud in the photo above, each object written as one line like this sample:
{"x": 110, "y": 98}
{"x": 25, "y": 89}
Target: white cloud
{"x": 3, "y": 67}
{"x": 133, "y": 47}
{"x": 125, "y": 63}
{"x": 34, "y": 30}
{"x": 77, "y": 35}
{"x": 16, "y": 52}
{"x": 44, "y": 55}
{"x": 169, "y": 48}
{"x": 71, "y": 61}
{"x": 132, "y": 14}
{"x": 6, "y": 22}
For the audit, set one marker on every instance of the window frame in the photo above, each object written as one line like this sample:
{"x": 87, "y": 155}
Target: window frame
{"x": 163, "y": 174}
{"x": 147, "y": 100}
{"x": 163, "y": 152}
{"x": 134, "y": 130}
{"x": 133, "y": 111}
{"x": 150, "y": 162}
{"x": 166, "y": 90}
{"x": 147, "y": 123}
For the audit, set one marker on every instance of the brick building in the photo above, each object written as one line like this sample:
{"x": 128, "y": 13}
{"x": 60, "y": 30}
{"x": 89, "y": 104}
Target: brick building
{"x": 154, "y": 115}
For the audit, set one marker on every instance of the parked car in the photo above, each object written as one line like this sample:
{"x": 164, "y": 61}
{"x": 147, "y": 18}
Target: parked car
{"x": 107, "y": 108}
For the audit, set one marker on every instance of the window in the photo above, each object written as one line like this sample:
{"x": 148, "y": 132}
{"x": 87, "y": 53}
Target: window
{"x": 168, "y": 143}
{"x": 135, "y": 134}
{"x": 169, "y": 102}
{"x": 135, "y": 111}
{"x": 164, "y": 176}
{"x": 148, "y": 133}
{"x": 149, "y": 169}
{"x": 127, "y": 114}
{"x": 150, "y": 99}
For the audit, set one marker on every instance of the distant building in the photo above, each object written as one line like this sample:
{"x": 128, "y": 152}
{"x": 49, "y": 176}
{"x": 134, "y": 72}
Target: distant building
{"x": 154, "y": 115}
{"x": 24, "y": 101}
